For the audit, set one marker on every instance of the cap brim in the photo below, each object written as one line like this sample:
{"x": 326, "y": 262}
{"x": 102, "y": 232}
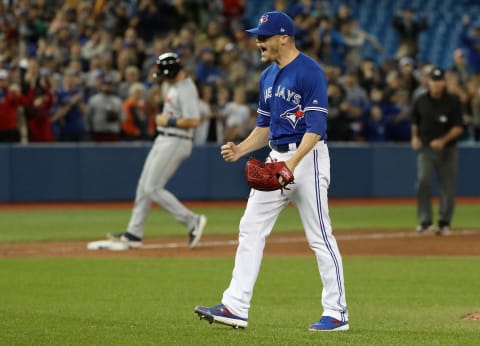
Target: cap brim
{"x": 254, "y": 31}
{"x": 260, "y": 32}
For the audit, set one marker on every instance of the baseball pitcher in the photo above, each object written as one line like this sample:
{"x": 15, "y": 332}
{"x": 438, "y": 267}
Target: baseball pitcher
{"x": 292, "y": 117}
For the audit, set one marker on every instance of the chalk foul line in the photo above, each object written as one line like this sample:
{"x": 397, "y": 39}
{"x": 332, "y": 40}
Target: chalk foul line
{"x": 299, "y": 239}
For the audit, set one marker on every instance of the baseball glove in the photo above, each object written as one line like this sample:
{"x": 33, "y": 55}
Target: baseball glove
{"x": 265, "y": 176}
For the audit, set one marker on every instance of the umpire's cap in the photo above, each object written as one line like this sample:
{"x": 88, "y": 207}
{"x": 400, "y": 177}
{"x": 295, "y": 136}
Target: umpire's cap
{"x": 274, "y": 23}
{"x": 168, "y": 65}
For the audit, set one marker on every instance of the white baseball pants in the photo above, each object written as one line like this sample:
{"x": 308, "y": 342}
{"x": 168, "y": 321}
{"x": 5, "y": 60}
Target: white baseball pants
{"x": 309, "y": 195}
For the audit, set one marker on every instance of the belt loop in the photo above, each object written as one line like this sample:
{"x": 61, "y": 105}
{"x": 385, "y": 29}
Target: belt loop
{"x": 292, "y": 146}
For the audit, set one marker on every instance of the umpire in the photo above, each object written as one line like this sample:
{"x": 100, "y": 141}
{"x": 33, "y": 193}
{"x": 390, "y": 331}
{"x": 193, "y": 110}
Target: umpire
{"x": 436, "y": 126}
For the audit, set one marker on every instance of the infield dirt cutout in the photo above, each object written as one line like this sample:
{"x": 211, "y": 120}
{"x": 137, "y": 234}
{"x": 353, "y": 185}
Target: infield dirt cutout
{"x": 358, "y": 242}
{"x": 351, "y": 243}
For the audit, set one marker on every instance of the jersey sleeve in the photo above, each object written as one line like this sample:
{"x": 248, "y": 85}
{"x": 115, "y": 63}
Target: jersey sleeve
{"x": 190, "y": 103}
{"x": 263, "y": 110}
{"x": 315, "y": 102}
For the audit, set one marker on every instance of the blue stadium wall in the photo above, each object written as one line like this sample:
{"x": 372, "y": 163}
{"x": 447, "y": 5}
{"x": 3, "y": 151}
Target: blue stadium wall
{"x": 98, "y": 172}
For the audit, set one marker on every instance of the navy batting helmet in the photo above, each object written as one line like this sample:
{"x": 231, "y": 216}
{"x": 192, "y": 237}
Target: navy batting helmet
{"x": 168, "y": 65}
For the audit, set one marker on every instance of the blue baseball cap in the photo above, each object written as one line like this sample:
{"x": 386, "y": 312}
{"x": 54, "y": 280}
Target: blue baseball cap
{"x": 274, "y": 23}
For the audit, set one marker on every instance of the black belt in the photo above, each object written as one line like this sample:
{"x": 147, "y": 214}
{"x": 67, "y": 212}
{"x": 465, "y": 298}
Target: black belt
{"x": 283, "y": 148}
{"x": 170, "y": 134}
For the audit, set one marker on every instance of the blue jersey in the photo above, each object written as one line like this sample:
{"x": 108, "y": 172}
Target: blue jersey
{"x": 293, "y": 100}
{"x": 74, "y": 121}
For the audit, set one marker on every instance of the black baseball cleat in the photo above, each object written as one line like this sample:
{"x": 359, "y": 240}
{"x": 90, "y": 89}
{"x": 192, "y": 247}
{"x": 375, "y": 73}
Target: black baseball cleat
{"x": 132, "y": 240}
{"x": 196, "y": 232}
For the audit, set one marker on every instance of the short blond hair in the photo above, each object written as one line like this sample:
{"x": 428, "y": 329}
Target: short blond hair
{"x": 136, "y": 87}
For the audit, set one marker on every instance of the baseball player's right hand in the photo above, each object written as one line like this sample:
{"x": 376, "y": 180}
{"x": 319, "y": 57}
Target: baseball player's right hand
{"x": 230, "y": 152}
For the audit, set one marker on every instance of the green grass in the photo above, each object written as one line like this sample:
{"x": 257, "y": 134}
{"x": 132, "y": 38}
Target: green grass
{"x": 83, "y": 224}
{"x": 392, "y": 301}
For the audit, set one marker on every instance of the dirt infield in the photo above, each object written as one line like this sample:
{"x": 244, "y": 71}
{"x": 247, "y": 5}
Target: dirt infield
{"x": 352, "y": 243}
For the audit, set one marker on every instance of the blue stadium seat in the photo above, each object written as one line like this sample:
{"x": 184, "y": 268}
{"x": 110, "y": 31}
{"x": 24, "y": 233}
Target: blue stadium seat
{"x": 375, "y": 16}
{"x": 437, "y": 43}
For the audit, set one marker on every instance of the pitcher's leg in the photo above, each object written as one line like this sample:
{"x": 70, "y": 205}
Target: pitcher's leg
{"x": 256, "y": 224}
{"x": 312, "y": 202}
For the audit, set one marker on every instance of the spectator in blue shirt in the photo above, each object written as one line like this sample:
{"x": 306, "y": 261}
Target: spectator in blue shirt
{"x": 375, "y": 125}
{"x": 331, "y": 47}
{"x": 470, "y": 37}
{"x": 399, "y": 127}
{"x": 69, "y": 117}
{"x": 207, "y": 70}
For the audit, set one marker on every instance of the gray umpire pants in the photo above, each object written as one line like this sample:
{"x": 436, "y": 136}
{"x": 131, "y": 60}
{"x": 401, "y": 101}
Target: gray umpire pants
{"x": 444, "y": 164}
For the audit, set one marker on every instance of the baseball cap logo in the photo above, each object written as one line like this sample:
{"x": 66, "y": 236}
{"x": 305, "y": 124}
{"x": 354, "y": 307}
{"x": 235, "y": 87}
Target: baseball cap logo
{"x": 263, "y": 19}
{"x": 274, "y": 23}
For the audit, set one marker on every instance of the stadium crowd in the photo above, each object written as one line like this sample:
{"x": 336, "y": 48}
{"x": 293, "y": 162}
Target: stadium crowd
{"x": 82, "y": 70}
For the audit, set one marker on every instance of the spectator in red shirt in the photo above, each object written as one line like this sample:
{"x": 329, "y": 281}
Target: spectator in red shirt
{"x": 38, "y": 103}
{"x": 10, "y": 100}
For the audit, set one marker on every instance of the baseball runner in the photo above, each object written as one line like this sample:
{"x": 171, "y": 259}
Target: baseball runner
{"x": 292, "y": 117}
{"x": 173, "y": 145}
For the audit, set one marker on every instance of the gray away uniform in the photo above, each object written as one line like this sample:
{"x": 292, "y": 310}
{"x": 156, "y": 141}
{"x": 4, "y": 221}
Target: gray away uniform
{"x": 170, "y": 148}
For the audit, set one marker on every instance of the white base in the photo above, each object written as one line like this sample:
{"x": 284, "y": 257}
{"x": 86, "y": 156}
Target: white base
{"x": 108, "y": 245}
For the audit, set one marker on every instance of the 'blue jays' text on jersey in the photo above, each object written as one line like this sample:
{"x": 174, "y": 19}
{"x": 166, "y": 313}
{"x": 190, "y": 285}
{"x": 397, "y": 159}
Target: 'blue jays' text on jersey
{"x": 293, "y": 100}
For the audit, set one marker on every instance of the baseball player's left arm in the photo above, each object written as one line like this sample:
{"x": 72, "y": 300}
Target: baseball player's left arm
{"x": 308, "y": 142}
{"x": 314, "y": 86}
{"x": 189, "y": 110}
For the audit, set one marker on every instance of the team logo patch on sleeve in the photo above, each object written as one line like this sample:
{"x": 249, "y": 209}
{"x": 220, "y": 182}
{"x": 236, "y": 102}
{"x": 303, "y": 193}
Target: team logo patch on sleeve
{"x": 293, "y": 115}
